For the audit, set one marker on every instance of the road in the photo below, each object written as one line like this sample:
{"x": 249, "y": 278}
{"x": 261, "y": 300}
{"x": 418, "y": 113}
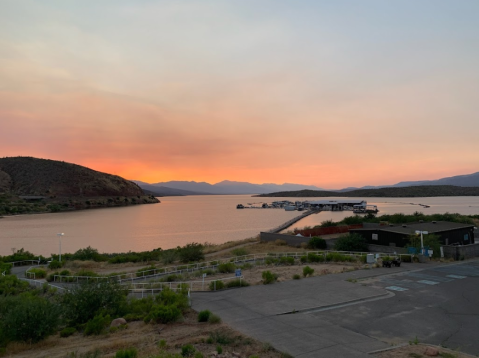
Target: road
{"x": 352, "y": 314}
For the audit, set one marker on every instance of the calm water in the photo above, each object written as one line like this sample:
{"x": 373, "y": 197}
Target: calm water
{"x": 180, "y": 220}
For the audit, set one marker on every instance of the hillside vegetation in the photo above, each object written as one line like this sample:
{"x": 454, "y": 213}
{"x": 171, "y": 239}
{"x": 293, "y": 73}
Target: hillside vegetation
{"x": 405, "y": 192}
{"x": 59, "y": 186}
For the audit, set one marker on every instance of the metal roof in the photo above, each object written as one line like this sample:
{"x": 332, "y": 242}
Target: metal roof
{"x": 431, "y": 227}
{"x": 335, "y": 202}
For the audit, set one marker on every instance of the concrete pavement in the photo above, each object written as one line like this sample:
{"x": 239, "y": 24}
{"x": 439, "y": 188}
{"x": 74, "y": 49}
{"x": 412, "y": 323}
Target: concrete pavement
{"x": 330, "y": 318}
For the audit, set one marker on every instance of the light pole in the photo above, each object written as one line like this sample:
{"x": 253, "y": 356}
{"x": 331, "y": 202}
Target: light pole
{"x": 60, "y": 245}
{"x": 422, "y": 242}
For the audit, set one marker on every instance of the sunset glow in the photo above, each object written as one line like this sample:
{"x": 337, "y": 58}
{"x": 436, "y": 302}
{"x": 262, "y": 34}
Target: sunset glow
{"x": 333, "y": 94}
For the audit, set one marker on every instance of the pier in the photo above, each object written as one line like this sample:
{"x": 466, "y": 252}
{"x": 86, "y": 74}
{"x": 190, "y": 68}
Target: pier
{"x": 292, "y": 221}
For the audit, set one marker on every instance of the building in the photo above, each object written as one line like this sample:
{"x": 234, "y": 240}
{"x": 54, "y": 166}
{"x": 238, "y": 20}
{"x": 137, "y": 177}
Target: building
{"x": 336, "y": 205}
{"x": 449, "y": 233}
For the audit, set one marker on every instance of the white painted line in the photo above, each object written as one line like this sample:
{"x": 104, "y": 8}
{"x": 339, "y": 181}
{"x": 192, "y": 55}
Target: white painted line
{"x": 456, "y": 276}
{"x": 396, "y": 288}
{"x": 427, "y": 282}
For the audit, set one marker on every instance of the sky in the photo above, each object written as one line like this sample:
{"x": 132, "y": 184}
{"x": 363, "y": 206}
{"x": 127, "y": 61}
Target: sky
{"x": 328, "y": 93}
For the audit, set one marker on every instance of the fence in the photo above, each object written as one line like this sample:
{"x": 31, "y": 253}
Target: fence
{"x": 25, "y": 262}
{"x": 39, "y": 284}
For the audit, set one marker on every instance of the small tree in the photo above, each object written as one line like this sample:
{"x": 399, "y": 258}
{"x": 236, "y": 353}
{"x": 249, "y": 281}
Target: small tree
{"x": 351, "y": 242}
{"x": 317, "y": 243}
{"x": 191, "y": 252}
{"x": 431, "y": 241}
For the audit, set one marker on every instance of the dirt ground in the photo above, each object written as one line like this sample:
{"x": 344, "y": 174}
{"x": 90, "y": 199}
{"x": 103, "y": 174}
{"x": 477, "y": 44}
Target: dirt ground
{"x": 418, "y": 351}
{"x": 146, "y": 338}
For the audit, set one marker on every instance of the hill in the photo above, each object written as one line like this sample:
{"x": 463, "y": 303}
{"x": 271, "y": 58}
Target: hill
{"x": 400, "y": 192}
{"x": 33, "y": 185}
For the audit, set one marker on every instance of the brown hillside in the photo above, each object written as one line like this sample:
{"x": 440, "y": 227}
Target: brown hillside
{"x": 33, "y": 176}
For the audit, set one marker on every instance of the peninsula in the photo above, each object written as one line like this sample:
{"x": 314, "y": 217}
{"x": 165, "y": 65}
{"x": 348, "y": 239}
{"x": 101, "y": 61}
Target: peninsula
{"x": 32, "y": 185}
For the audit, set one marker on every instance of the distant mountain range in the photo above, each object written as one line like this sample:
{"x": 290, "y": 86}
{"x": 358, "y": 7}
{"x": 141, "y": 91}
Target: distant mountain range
{"x": 226, "y": 187}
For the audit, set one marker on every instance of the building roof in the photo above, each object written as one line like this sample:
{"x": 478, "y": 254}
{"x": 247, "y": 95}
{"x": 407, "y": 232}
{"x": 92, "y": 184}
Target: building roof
{"x": 336, "y": 202}
{"x": 431, "y": 227}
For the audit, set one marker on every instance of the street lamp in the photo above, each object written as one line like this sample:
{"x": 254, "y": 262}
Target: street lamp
{"x": 422, "y": 242}
{"x": 60, "y": 245}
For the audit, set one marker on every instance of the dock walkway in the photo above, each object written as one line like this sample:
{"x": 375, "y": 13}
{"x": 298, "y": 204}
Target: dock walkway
{"x": 292, "y": 221}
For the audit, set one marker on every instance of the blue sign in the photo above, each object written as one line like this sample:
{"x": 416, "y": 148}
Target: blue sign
{"x": 238, "y": 273}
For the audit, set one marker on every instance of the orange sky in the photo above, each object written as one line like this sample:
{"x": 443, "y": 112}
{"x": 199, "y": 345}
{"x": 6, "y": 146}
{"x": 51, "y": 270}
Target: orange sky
{"x": 213, "y": 91}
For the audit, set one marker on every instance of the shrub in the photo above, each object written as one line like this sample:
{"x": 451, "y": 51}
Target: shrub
{"x": 271, "y": 261}
{"x": 351, "y": 242}
{"x": 55, "y": 265}
{"x": 218, "y": 285}
{"x": 203, "y": 316}
{"x": 268, "y": 277}
{"x": 164, "y": 314}
{"x": 65, "y": 273}
{"x": 214, "y": 319}
{"x": 280, "y": 242}
{"x": 307, "y": 271}
{"x": 236, "y": 283}
{"x": 127, "y": 353}
{"x": 191, "y": 252}
{"x": 187, "y": 350}
{"x": 314, "y": 258}
{"x": 11, "y": 285}
{"x": 87, "y": 299}
{"x": 226, "y": 268}
{"x": 67, "y": 332}
{"x": 286, "y": 260}
{"x": 317, "y": 243}
{"x": 36, "y": 273}
{"x": 88, "y": 253}
{"x": 28, "y": 318}
{"x": 199, "y": 355}
{"x": 406, "y": 258}
{"x": 296, "y": 277}
{"x": 219, "y": 349}
{"x": 142, "y": 272}
{"x": 97, "y": 324}
{"x": 5, "y": 267}
{"x": 303, "y": 259}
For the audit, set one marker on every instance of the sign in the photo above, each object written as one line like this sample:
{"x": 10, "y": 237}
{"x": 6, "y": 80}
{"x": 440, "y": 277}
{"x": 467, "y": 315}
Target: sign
{"x": 238, "y": 272}
{"x": 375, "y": 236}
{"x": 204, "y": 275}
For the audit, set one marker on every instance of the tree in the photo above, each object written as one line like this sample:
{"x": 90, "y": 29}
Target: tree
{"x": 351, "y": 242}
{"x": 191, "y": 252}
{"x": 431, "y": 241}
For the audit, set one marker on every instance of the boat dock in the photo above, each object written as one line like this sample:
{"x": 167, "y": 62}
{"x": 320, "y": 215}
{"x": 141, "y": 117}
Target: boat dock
{"x": 292, "y": 221}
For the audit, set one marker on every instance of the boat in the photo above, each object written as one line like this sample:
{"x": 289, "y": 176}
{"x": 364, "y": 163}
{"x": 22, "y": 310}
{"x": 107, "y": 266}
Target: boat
{"x": 240, "y": 206}
{"x": 290, "y": 208}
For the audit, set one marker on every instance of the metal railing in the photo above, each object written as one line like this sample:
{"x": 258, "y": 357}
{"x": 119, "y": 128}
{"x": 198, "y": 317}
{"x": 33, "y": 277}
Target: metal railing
{"x": 203, "y": 285}
{"x": 213, "y": 264}
{"x": 37, "y": 283}
{"x": 24, "y": 262}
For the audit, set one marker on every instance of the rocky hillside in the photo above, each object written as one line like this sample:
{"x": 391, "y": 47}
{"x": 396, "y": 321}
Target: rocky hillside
{"x": 31, "y": 184}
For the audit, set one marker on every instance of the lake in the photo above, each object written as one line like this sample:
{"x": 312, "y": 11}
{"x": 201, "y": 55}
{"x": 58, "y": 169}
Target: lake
{"x": 177, "y": 221}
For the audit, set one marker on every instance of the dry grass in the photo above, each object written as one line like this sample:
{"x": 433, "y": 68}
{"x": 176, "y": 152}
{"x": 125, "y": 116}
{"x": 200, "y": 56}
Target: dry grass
{"x": 417, "y": 350}
{"x": 145, "y": 338}
{"x": 209, "y": 249}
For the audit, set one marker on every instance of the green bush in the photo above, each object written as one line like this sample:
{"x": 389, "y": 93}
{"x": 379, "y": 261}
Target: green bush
{"x": 271, "y": 261}
{"x": 314, "y": 258}
{"x": 219, "y": 349}
{"x": 67, "y": 332}
{"x": 203, "y": 316}
{"x": 86, "y": 273}
{"x": 286, "y": 261}
{"x": 127, "y": 353}
{"x": 303, "y": 259}
{"x": 65, "y": 273}
{"x": 55, "y": 265}
{"x": 214, "y": 319}
{"x": 308, "y": 271}
{"x": 86, "y": 300}
{"x": 191, "y": 252}
{"x": 145, "y": 271}
{"x": 169, "y": 297}
{"x": 164, "y": 314}
{"x": 296, "y": 277}
{"x": 5, "y": 267}
{"x": 227, "y": 268}
{"x": 187, "y": 350}
{"x": 199, "y": 355}
{"x": 36, "y": 273}
{"x": 88, "y": 253}
{"x": 218, "y": 285}
{"x": 11, "y": 285}
{"x": 351, "y": 242}
{"x": 236, "y": 283}
{"x": 27, "y": 318}
{"x": 317, "y": 243}
{"x": 268, "y": 277}
{"x": 97, "y": 325}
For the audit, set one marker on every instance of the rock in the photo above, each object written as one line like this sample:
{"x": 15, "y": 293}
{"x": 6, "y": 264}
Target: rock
{"x": 117, "y": 322}
{"x": 212, "y": 354}
{"x": 236, "y": 354}
{"x": 431, "y": 351}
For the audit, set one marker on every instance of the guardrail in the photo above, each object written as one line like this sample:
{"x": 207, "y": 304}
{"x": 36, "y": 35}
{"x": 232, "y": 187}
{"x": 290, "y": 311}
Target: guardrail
{"x": 24, "y": 262}
{"x": 204, "y": 285}
{"x": 37, "y": 283}
{"x": 179, "y": 269}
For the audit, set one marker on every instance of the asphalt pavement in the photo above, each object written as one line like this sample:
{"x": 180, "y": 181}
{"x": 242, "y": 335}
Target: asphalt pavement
{"x": 354, "y": 313}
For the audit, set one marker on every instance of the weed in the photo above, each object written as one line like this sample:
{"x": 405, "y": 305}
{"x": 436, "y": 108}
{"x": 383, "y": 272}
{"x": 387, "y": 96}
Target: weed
{"x": 219, "y": 349}
{"x": 187, "y": 350}
{"x": 447, "y": 355}
{"x": 162, "y": 344}
{"x": 414, "y": 341}
{"x": 67, "y": 332}
{"x": 296, "y": 277}
{"x": 226, "y": 268}
{"x": 239, "y": 251}
{"x": 221, "y": 337}
{"x": 204, "y": 316}
{"x": 127, "y": 353}
{"x": 216, "y": 285}
{"x": 214, "y": 319}
{"x": 237, "y": 283}
{"x": 308, "y": 271}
